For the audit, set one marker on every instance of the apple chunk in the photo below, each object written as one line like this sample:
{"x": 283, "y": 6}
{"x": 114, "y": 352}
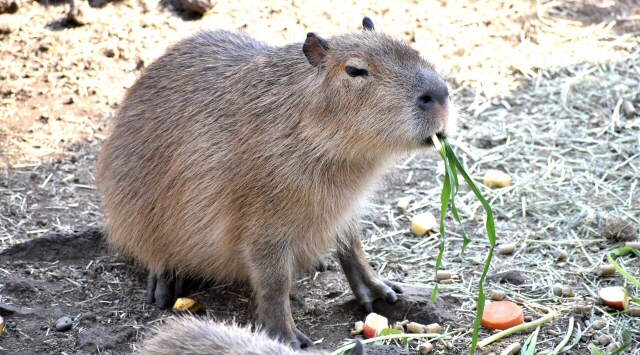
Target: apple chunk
{"x": 373, "y": 324}
{"x": 615, "y": 297}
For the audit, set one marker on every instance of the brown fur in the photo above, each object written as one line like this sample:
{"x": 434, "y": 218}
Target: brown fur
{"x": 230, "y": 159}
{"x": 199, "y": 336}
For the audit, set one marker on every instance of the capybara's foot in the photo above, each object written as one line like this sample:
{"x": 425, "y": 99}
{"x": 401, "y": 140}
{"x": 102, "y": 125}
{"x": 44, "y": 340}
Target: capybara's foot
{"x": 302, "y": 341}
{"x": 164, "y": 289}
{"x": 366, "y": 285}
{"x": 321, "y": 266}
{"x": 369, "y": 290}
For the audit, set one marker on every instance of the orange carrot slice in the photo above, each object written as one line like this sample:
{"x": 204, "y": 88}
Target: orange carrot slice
{"x": 502, "y": 315}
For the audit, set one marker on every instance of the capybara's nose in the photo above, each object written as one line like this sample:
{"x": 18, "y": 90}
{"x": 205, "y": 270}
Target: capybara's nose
{"x": 436, "y": 92}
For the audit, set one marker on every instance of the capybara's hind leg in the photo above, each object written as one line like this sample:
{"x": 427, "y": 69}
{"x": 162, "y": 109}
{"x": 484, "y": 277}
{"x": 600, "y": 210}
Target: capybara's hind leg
{"x": 366, "y": 285}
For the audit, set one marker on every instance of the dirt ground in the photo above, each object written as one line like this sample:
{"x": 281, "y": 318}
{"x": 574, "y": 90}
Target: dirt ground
{"x": 541, "y": 86}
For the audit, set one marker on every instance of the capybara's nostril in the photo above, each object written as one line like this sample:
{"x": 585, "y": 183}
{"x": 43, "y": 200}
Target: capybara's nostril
{"x": 424, "y": 100}
{"x": 435, "y": 93}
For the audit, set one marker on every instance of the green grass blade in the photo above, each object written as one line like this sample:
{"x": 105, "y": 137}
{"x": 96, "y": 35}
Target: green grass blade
{"x": 491, "y": 234}
{"x": 530, "y": 345}
{"x": 595, "y": 351}
{"x": 454, "y": 211}
{"x": 472, "y": 185}
{"x": 621, "y": 252}
{"x": 626, "y": 342}
{"x": 445, "y": 195}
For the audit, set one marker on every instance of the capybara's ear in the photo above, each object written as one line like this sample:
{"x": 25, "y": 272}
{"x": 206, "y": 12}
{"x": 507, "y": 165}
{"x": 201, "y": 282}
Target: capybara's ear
{"x": 315, "y": 49}
{"x": 358, "y": 349}
{"x": 367, "y": 24}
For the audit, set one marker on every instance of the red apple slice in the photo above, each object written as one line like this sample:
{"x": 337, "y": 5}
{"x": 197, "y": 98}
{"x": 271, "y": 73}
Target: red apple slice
{"x": 615, "y": 297}
{"x": 373, "y": 324}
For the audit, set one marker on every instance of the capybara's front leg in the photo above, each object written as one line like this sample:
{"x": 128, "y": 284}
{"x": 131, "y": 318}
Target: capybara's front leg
{"x": 161, "y": 289}
{"x": 366, "y": 285}
{"x": 164, "y": 288}
{"x": 271, "y": 274}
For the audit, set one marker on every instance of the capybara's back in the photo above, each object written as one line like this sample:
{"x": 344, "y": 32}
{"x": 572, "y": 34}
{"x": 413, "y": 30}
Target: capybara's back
{"x": 173, "y": 174}
{"x": 230, "y": 159}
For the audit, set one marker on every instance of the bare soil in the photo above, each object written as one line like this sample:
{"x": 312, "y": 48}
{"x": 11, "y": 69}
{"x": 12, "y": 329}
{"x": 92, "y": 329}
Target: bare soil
{"x": 540, "y": 84}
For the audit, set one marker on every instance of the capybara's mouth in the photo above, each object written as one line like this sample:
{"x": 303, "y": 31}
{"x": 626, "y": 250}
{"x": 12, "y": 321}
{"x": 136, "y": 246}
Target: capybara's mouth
{"x": 429, "y": 142}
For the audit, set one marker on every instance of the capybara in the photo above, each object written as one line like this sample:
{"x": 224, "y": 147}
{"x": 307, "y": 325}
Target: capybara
{"x": 233, "y": 160}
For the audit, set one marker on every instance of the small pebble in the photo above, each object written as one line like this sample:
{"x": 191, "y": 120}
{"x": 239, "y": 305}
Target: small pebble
{"x": 197, "y": 6}
{"x": 581, "y": 310}
{"x": 505, "y": 249}
{"x": 319, "y": 311}
{"x": 497, "y": 295}
{"x": 64, "y": 324}
{"x": 5, "y": 29}
{"x": 560, "y": 255}
{"x": 553, "y": 332}
{"x": 597, "y": 325}
{"x": 9, "y": 6}
{"x": 557, "y": 289}
{"x": 634, "y": 312}
{"x": 528, "y": 318}
{"x": 604, "y": 340}
{"x": 447, "y": 282}
{"x": 594, "y": 249}
{"x": 628, "y": 109}
{"x": 567, "y": 291}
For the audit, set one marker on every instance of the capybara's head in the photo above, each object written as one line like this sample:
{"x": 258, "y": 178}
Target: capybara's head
{"x": 378, "y": 91}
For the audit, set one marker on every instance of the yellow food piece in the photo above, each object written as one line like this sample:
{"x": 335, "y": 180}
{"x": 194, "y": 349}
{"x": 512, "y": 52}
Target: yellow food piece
{"x": 422, "y": 223}
{"x": 186, "y": 305}
{"x": 496, "y": 178}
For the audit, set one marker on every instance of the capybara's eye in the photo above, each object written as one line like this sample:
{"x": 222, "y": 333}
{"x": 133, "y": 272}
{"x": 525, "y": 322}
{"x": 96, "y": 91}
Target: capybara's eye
{"x": 353, "y": 71}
